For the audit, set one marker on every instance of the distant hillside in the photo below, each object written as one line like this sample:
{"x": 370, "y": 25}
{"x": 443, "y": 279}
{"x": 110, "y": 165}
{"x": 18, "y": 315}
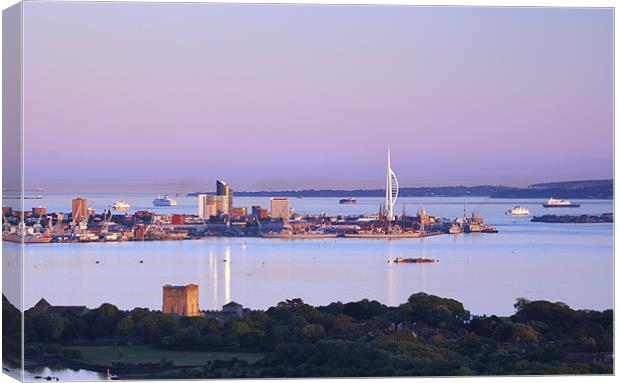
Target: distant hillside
{"x": 573, "y": 184}
{"x": 443, "y": 191}
{"x": 595, "y": 189}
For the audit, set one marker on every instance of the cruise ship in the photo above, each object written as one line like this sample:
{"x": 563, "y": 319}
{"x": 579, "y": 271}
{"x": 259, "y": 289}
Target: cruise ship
{"x": 560, "y": 203}
{"x": 518, "y": 210}
{"x": 120, "y": 205}
{"x": 164, "y": 201}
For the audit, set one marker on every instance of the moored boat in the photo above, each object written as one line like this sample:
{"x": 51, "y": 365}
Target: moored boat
{"x": 410, "y": 234}
{"x": 474, "y": 224}
{"x": 28, "y": 238}
{"x": 413, "y": 260}
{"x": 303, "y": 235}
{"x": 455, "y": 228}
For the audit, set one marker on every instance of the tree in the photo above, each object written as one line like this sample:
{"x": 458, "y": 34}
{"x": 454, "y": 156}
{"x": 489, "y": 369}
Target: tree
{"x": 341, "y": 326}
{"x": 313, "y": 332}
{"x": 125, "y": 329}
{"x": 521, "y": 303}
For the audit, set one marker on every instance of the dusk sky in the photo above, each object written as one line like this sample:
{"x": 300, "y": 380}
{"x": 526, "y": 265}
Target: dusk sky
{"x": 135, "y": 96}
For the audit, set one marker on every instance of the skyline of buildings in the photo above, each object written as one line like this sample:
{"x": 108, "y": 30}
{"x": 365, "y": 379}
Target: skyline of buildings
{"x": 219, "y": 204}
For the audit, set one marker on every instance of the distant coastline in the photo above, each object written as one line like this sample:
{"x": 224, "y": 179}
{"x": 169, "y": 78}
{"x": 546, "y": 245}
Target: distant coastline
{"x": 589, "y": 189}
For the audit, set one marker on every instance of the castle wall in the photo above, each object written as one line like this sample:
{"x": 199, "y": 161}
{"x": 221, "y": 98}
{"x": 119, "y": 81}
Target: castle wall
{"x": 181, "y": 300}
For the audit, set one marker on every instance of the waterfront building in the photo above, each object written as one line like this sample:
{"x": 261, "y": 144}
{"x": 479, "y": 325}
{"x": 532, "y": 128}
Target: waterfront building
{"x": 279, "y": 208}
{"x": 181, "y": 300}
{"x": 239, "y": 212}
{"x": 178, "y": 219}
{"x": 207, "y": 206}
{"x": 211, "y": 206}
{"x": 7, "y": 211}
{"x": 221, "y": 204}
{"x": 259, "y": 213}
{"x": 202, "y": 206}
{"x": 391, "y": 190}
{"x": 225, "y": 193}
{"x": 39, "y": 211}
{"x": 211, "y": 211}
{"x": 79, "y": 209}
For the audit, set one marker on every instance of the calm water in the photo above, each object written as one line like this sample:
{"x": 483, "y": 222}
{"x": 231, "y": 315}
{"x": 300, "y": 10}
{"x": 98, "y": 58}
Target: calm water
{"x": 572, "y": 263}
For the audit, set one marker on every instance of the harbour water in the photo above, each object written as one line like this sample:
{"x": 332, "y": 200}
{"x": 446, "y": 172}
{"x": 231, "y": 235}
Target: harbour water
{"x": 572, "y": 263}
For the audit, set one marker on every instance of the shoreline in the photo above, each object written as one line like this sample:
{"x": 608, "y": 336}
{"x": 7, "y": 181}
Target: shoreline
{"x": 416, "y": 235}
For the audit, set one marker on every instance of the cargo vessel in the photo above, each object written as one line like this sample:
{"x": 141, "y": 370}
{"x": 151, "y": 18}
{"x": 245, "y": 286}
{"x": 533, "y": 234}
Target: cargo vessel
{"x": 348, "y": 201}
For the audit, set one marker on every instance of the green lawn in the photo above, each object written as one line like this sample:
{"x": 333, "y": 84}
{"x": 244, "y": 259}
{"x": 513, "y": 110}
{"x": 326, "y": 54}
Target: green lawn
{"x": 105, "y": 355}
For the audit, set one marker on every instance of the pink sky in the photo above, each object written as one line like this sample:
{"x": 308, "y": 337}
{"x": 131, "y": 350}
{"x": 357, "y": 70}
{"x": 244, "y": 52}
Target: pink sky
{"x": 122, "y": 96}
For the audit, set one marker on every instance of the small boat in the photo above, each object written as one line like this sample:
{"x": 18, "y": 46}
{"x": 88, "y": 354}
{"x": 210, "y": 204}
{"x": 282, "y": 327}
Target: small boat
{"x": 348, "y": 201}
{"x": 552, "y": 202}
{"x": 164, "y": 201}
{"x": 455, "y": 228}
{"x": 120, "y": 205}
{"x": 413, "y": 260}
{"x": 489, "y": 229}
{"x": 519, "y": 211}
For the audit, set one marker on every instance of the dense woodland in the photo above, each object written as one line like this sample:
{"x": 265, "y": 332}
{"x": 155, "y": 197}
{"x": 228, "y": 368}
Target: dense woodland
{"x": 427, "y": 335}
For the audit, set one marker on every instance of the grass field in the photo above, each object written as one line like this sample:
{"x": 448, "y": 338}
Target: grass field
{"x": 105, "y": 355}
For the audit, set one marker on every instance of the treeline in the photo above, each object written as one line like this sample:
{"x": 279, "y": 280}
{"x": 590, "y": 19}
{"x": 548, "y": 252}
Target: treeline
{"x": 427, "y": 335}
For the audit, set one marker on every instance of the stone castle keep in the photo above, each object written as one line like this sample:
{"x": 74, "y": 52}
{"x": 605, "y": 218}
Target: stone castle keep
{"x": 181, "y": 300}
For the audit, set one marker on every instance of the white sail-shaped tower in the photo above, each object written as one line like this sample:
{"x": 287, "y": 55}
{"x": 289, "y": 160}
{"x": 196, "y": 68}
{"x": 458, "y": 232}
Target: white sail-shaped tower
{"x": 391, "y": 190}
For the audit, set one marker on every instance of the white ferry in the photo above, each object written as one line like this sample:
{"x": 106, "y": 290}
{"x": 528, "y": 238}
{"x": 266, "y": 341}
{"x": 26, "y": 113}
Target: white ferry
{"x": 120, "y": 205}
{"x": 164, "y": 201}
{"x": 518, "y": 210}
{"x": 559, "y": 203}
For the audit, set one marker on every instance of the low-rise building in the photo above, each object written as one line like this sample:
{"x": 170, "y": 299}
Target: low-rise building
{"x": 229, "y": 310}
{"x": 56, "y": 311}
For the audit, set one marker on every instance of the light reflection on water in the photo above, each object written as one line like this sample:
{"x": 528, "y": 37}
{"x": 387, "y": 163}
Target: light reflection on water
{"x": 487, "y": 272}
